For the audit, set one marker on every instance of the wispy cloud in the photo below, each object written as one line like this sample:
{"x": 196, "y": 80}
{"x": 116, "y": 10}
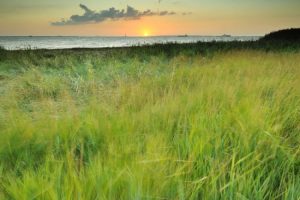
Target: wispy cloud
{"x": 91, "y": 16}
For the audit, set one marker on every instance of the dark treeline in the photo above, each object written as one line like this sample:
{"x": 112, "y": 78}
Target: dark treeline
{"x": 292, "y": 35}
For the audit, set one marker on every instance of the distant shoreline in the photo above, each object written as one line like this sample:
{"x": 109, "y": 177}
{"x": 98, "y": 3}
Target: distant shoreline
{"x": 43, "y": 42}
{"x": 288, "y": 39}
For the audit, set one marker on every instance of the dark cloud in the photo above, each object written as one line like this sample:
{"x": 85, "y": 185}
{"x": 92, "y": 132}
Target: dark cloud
{"x": 91, "y": 16}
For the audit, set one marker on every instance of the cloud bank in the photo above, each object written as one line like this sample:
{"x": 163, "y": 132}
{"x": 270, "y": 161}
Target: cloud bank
{"x": 91, "y": 16}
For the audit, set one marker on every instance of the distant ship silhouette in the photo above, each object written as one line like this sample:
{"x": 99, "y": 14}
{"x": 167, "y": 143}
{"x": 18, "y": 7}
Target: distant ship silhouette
{"x": 183, "y": 35}
{"x": 225, "y": 35}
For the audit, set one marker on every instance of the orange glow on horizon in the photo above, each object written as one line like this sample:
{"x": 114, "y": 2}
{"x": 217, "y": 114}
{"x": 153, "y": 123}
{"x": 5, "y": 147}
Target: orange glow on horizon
{"x": 146, "y": 33}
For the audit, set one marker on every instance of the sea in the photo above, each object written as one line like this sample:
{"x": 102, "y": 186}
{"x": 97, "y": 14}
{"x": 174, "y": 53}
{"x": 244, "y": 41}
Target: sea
{"x": 69, "y": 42}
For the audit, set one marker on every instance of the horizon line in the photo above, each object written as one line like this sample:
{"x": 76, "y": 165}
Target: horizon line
{"x": 175, "y": 35}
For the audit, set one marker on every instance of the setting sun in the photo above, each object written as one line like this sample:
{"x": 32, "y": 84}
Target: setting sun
{"x": 146, "y": 33}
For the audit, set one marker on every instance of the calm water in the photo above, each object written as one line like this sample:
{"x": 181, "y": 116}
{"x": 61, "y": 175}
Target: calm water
{"x": 20, "y": 42}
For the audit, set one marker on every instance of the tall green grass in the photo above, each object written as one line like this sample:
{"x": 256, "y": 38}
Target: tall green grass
{"x": 191, "y": 126}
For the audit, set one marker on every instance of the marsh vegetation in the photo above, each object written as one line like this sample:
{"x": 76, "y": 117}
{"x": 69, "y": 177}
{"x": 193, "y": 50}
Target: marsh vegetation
{"x": 199, "y": 121}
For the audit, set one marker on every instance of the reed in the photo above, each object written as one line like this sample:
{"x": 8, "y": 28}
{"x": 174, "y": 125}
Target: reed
{"x": 150, "y": 123}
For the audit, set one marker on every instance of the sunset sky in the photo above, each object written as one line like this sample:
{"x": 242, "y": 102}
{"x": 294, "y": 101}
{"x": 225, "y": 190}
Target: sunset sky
{"x": 146, "y": 17}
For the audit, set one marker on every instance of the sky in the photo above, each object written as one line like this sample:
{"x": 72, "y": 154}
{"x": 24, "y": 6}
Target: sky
{"x": 146, "y": 17}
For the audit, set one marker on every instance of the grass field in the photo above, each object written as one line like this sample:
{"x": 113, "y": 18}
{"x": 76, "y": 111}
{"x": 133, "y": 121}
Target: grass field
{"x": 113, "y": 124}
